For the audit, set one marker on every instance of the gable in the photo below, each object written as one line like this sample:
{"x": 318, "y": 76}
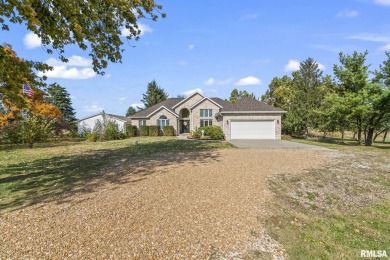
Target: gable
{"x": 188, "y": 102}
{"x": 162, "y": 108}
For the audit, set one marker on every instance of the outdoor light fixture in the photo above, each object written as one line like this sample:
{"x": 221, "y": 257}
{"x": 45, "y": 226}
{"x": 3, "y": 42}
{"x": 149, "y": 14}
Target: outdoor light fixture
{"x": 277, "y": 121}
{"x": 227, "y": 122}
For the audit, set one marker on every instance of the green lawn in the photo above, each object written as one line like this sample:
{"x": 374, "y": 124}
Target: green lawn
{"x": 28, "y": 176}
{"x": 334, "y": 211}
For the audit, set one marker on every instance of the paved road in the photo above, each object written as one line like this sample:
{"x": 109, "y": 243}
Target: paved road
{"x": 269, "y": 144}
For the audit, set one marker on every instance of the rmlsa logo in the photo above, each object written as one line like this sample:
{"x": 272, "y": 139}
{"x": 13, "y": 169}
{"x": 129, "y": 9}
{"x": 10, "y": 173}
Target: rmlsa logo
{"x": 373, "y": 253}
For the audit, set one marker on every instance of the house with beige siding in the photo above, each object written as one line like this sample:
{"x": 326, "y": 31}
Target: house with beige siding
{"x": 246, "y": 119}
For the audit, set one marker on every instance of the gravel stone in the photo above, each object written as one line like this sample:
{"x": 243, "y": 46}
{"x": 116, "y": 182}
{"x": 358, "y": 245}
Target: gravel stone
{"x": 183, "y": 210}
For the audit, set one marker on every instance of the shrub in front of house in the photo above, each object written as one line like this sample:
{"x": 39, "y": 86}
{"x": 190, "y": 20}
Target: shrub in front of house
{"x": 154, "y": 130}
{"x": 93, "y": 137}
{"x": 168, "y": 130}
{"x": 144, "y": 130}
{"x": 131, "y": 130}
{"x": 214, "y": 132}
{"x": 111, "y": 132}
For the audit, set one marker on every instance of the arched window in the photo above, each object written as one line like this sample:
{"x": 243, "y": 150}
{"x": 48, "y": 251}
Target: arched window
{"x": 184, "y": 113}
{"x": 162, "y": 121}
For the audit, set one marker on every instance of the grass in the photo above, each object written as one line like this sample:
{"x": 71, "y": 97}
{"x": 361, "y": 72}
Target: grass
{"x": 28, "y": 176}
{"x": 335, "y": 143}
{"x": 334, "y": 211}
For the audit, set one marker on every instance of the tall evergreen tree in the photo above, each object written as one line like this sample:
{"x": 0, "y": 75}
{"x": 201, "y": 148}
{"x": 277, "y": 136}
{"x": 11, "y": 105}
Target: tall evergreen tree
{"x": 308, "y": 92}
{"x": 154, "y": 94}
{"x": 59, "y": 97}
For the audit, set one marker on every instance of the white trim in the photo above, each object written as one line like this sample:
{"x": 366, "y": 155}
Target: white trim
{"x": 200, "y": 101}
{"x": 190, "y": 96}
{"x": 162, "y": 107}
{"x": 252, "y": 112}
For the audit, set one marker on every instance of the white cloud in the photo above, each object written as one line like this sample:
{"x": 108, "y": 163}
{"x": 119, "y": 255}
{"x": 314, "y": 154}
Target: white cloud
{"x": 107, "y": 76}
{"x": 31, "y": 41}
{"x": 212, "y": 81}
{"x": 370, "y": 37}
{"x": 144, "y": 28}
{"x": 209, "y": 82}
{"x": 348, "y": 13}
{"x": 385, "y": 47}
{"x": 69, "y": 70}
{"x": 382, "y": 2}
{"x": 73, "y": 60}
{"x": 137, "y": 105}
{"x": 292, "y": 65}
{"x": 248, "y": 81}
{"x": 189, "y": 92}
{"x": 92, "y": 108}
{"x": 122, "y": 98}
{"x": 191, "y": 47}
{"x": 321, "y": 66}
{"x": 249, "y": 17}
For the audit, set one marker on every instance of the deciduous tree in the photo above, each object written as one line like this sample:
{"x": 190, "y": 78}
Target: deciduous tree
{"x": 92, "y": 25}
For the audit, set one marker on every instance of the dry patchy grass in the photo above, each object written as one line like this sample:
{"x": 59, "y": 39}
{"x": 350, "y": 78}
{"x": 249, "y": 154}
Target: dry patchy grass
{"x": 333, "y": 211}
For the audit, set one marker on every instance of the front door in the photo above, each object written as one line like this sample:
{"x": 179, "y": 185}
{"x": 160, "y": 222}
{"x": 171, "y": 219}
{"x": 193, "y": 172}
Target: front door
{"x": 185, "y": 126}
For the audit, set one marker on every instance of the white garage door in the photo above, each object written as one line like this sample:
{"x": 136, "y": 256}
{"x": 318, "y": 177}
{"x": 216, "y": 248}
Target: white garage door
{"x": 252, "y": 129}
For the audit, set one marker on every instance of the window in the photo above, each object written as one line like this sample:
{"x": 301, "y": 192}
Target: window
{"x": 141, "y": 122}
{"x": 162, "y": 121}
{"x": 206, "y": 122}
{"x": 185, "y": 113}
{"x": 206, "y": 113}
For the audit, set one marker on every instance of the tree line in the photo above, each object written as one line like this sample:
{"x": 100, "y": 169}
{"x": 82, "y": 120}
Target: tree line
{"x": 354, "y": 99}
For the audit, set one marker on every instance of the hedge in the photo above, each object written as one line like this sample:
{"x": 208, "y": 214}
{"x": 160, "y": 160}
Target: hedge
{"x": 131, "y": 130}
{"x": 168, "y": 130}
{"x": 214, "y": 132}
{"x": 154, "y": 130}
{"x": 144, "y": 130}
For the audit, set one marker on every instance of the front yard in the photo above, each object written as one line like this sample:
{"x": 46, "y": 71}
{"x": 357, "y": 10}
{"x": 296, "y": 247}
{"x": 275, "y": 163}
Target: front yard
{"x": 28, "y": 176}
{"x": 172, "y": 199}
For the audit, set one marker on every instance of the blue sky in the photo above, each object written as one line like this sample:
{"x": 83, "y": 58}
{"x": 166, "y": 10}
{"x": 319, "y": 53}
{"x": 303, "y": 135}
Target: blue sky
{"x": 216, "y": 46}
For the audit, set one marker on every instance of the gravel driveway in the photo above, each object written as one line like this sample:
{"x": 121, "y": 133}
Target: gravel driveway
{"x": 193, "y": 209}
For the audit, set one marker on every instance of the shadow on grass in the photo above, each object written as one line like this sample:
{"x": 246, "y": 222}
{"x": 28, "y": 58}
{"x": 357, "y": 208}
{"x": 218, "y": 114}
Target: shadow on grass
{"x": 47, "y": 144}
{"x": 27, "y": 183}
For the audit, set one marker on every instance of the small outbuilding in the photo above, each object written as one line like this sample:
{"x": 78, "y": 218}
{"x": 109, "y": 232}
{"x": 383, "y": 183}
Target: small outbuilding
{"x": 88, "y": 123}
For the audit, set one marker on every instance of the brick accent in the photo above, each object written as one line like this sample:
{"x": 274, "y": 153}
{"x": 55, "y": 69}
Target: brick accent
{"x": 195, "y": 113}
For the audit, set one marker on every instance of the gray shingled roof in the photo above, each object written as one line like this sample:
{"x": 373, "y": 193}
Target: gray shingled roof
{"x": 244, "y": 104}
{"x": 169, "y": 103}
{"x": 249, "y": 104}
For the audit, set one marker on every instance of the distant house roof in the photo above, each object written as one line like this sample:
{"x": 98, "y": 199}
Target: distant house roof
{"x": 243, "y": 105}
{"x": 122, "y": 118}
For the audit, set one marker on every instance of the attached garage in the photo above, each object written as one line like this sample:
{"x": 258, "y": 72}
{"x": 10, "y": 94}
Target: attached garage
{"x": 251, "y": 129}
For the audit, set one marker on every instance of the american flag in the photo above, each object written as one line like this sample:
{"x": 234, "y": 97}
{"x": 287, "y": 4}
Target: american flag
{"x": 28, "y": 90}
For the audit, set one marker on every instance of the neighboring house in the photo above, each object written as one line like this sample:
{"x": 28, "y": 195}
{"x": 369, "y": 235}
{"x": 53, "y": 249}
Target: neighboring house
{"x": 88, "y": 123}
{"x": 246, "y": 119}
